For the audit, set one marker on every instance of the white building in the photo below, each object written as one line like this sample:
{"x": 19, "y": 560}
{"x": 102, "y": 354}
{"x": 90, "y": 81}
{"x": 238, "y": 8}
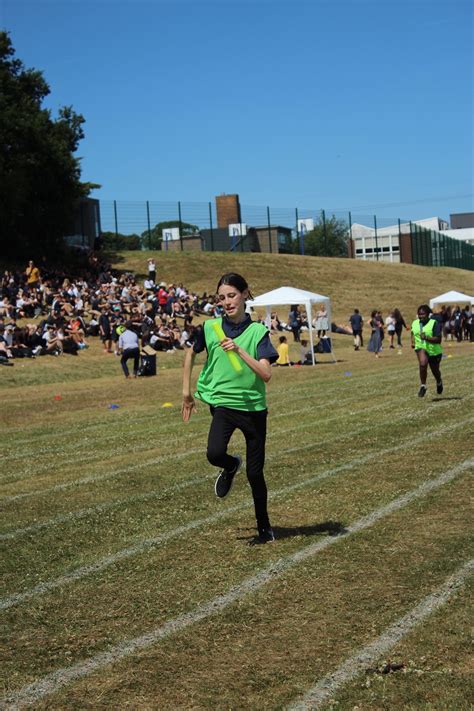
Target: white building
{"x": 383, "y": 244}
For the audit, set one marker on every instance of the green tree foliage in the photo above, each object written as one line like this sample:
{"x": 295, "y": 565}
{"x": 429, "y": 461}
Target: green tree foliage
{"x": 152, "y": 239}
{"x": 39, "y": 175}
{"x": 117, "y": 242}
{"x": 328, "y": 240}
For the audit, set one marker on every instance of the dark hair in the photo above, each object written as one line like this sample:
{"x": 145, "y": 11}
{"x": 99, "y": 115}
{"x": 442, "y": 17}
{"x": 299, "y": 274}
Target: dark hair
{"x": 235, "y": 280}
{"x": 282, "y": 339}
{"x": 129, "y": 325}
{"x": 424, "y": 307}
{"x": 356, "y": 311}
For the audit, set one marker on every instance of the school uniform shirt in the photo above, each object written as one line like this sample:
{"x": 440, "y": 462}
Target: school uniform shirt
{"x": 127, "y": 340}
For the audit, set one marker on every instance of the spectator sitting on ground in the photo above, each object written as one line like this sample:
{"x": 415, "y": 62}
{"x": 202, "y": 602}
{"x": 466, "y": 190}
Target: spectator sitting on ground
{"x": 283, "y": 353}
{"x": 52, "y": 341}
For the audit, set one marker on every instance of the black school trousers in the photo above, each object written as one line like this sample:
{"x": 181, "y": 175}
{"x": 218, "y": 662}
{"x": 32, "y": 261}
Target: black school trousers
{"x": 253, "y": 425}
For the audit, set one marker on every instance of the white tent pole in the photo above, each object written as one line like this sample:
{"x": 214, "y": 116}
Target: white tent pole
{"x": 334, "y": 359}
{"x": 309, "y": 316}
{"x": 268, "y": 317}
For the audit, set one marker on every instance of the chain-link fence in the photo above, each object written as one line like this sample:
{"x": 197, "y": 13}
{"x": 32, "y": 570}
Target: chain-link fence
{"x": 268, "y": 229}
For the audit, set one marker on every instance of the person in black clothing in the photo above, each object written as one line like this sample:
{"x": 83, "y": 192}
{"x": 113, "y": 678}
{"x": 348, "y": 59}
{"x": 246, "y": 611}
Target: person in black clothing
{"x": 294, "y": 320}
{"x": 105, "y": 330}
{"x": 399, "y": 326}
{"x": 357, "y": 323}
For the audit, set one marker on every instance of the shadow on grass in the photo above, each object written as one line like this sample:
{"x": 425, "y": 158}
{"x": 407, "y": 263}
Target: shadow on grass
{"x": 330, "y": 528}
{"x": 445, "y": 399}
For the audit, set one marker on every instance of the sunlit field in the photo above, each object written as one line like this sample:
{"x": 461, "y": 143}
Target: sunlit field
{"x": 127, "y": 584}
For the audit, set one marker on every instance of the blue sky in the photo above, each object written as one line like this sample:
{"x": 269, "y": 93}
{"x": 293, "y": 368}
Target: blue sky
{"x": 340, "y": 105}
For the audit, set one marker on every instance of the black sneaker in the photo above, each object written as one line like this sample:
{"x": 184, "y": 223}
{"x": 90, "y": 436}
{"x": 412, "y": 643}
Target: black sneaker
{"x": 225, "y": 479}
{"x": 422, "y": 391}
{"x": 439, "y": 387}
{"x": 266, "y": 535}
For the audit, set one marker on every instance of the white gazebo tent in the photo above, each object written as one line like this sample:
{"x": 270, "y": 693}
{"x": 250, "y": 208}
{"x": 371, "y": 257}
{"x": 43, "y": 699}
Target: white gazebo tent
{"x": 451, "y": 297}
{"x": 287, "y": 296}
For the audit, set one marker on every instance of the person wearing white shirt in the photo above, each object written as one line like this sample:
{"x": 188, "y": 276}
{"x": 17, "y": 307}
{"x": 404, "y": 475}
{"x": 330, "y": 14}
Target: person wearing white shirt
{"x": 129, "y": 348}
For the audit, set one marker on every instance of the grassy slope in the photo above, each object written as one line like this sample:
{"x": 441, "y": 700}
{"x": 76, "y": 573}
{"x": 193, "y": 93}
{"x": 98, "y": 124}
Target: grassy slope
{"x": 348, "y": 282}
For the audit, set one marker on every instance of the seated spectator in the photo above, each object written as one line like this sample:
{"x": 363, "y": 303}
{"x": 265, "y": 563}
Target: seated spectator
{"x": 283, "y": 353}
{"x": 51, "y": 341}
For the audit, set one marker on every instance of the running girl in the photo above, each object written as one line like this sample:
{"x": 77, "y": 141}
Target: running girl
{"x": 235, "y": 392}
{"x": 426, "y": 340}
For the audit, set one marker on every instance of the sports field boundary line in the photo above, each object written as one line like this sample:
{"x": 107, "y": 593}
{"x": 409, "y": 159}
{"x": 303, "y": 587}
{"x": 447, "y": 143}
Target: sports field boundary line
{"x": 163, "y": 538}
{"x": 52, "y": 682}
{"x": 357, "y": 663}
{"x": 85, "y": 511}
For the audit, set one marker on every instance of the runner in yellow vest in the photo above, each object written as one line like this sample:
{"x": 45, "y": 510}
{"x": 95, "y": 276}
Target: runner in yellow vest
{"x": 426, "y": 340}
{"x": 232, "y": 384}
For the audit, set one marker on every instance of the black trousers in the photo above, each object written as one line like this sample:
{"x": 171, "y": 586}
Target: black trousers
{"x": 253, "y": 425}
{"x": 130, "y": 353}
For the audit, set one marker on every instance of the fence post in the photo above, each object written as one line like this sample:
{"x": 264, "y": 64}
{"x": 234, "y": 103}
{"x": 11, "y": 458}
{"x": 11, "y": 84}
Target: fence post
{"x": 210, "y": 225}
{"x": 325, "y": 234}
{"x": 148, "y": 220}
{"x": 269, "y": 230}
{"x": 115, "y": 215}
{"x": 376, "y": 238}
{"x": 352, "y": 245}
{"x": 297, "y": 232}
{"x": 180, "y": 226}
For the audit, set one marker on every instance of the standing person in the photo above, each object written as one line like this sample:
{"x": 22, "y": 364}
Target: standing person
{"x": 375, "y": 343}
{"x": 105, "y": 330}
{"x": 294, "y": 320}
{"x": 357, "y": 323}
{"x": 129, "y": 347}
{"x": 152, "y": 270}
{"x": 322, "y": 324}
{"x": 235, "y": 393}
{"x": 390, "y": 324}
{"x": 32, "y": 274}
{"x": 399, "y": 326}
{"x": 426, "y": 340}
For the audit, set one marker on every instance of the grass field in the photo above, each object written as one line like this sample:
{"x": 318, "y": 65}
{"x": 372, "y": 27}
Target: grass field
{"x": 127, "y": 584}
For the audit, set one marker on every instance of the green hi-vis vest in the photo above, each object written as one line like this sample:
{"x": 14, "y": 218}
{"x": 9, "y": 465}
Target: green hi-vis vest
{"x": 417, "y": 328}
{"x": 219, "y": 384}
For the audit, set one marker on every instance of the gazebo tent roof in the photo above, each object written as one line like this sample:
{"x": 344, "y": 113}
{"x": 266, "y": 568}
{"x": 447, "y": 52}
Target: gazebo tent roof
{"x": 451, "y": 297}
{"x": 288, "y": 295}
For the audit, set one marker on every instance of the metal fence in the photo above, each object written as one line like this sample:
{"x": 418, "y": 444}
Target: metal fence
{"x": 434, "y": 249}
{"x": 428, "y": 247}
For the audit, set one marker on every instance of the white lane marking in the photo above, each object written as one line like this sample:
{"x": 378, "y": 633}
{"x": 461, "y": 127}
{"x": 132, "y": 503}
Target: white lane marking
{"x": 20, "y": 476}
{"x": 51, "y": 683}
{"x": 105, "y": 506}
{"x": 328, "y": 686}
{"x": 142, "y": 546}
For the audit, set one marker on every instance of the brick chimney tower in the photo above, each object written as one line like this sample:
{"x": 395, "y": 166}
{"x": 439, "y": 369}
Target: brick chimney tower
{"x": 228, "y": 210}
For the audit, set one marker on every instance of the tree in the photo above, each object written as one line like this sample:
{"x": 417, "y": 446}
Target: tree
{"x": 328, "y": 239}
{"x": 118, "y": 242}
{"x": 39, "y": 175}
{"x": 152, "y": 239}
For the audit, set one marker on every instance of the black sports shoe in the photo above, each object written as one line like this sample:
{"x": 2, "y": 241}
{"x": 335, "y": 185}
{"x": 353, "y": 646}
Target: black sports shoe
{"x": 225, "y": 479}
{"x": 266, "y": 535}
{"x": 439, "y": 387}
{"x": 422, "y": 391}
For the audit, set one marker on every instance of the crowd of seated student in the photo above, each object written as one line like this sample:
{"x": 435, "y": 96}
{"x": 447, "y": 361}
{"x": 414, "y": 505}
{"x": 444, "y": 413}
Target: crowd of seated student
{"x": 69, "y": 311}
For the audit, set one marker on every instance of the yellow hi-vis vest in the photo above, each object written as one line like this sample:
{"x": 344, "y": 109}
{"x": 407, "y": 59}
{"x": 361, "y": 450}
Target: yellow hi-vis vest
{"x": 417, "y": 328}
